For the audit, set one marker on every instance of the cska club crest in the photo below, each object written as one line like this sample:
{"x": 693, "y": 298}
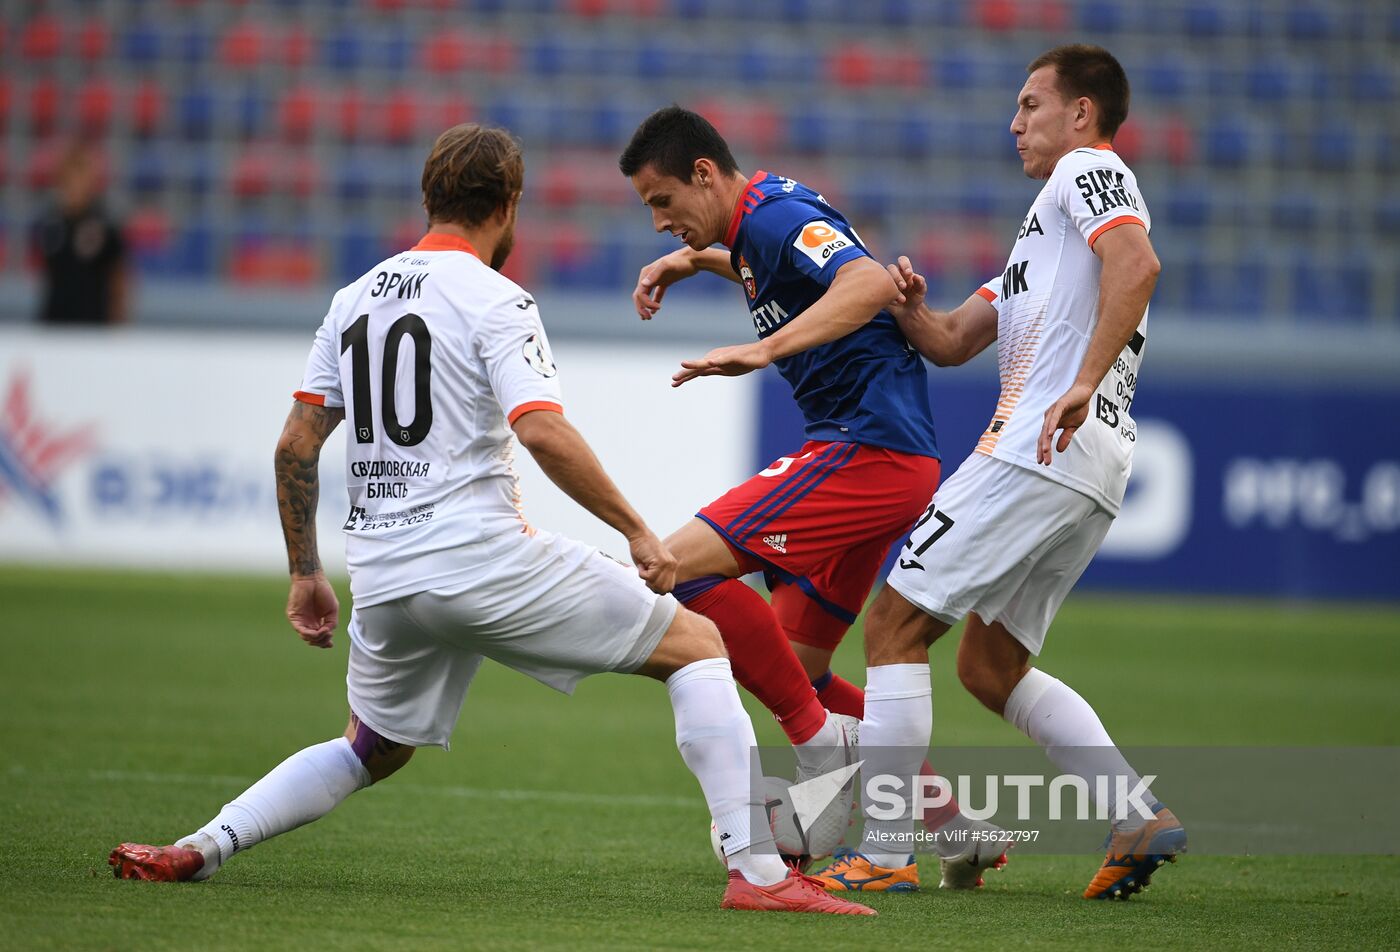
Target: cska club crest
{"x": 746, "y": 275}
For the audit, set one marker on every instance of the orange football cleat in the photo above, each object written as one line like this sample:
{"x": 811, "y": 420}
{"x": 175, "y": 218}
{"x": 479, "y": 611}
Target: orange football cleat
{"x": 852, "y": 872}
{"x": 1133, "y": 857}
{"x": 797, "y": 893}
{"x": 160, "y": 864}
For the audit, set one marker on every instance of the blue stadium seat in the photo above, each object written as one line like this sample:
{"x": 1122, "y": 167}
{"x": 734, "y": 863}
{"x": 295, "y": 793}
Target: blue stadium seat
{"x": 194, "y": 46}
{"x": 916, "y": 137}
{"x": 1268, "y": 81}
{"x": 149, "y": 172}
{"x": 343, "y": 49}
{"x": 1304, "y": 21}
{"x": 1164, "y": 78}
{"x": 194, "y": 112}
{"x": 250, "y": 111}
{"x": 977, "y": 198}
{"x": 393, "y": 49}
{"x": 1294, "y": 212}
{"x": 1333, "y": 146}
{"x": 192, "y": 251}
{"x": 1227, "y": 143}
{"x": 198, "y": 173}
{"x": 1203, "y": 19}
{"x": 1188, "y": 205}
{"x": 353, "y": 178}
{"x": 141, "y": 44}
{"x": 1372, "y": 83}
{"x": 958, "y": 69}
{"x": 896, "y": 12}
{"x": 1386, "y": 217}
{"x": 544, "y": 55}
{"x": 1101, "y": 16}
{"x": 809, "y": 129}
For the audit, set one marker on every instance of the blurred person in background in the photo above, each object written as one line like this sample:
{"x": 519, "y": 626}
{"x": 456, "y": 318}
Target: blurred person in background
{"x": 80, "y": 246}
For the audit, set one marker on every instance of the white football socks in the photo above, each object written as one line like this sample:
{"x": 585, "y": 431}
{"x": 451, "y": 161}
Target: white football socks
{"x": 1049, "y": 712}
{"x": 715, "y": 737}
{"x": 304, "y": 787}
{"x": 894, "y": 738}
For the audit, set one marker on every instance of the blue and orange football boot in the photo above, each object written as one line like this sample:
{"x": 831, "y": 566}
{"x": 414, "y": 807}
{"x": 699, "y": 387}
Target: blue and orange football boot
{"x": 161, "y": 864}
{"x": 1133, "y": 857}
{"x": 852, "y": 872}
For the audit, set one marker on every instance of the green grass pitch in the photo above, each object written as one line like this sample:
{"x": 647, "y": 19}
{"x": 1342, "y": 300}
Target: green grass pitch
{"x": 134, "y": 705}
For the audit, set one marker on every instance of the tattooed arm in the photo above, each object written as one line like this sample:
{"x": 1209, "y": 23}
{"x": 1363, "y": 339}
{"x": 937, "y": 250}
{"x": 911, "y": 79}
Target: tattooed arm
{"x": 311, "y": 606}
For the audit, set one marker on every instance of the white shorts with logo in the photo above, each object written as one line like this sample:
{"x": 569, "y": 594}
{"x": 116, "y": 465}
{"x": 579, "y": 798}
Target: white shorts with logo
{"x": 545, "y": 605}
{"x": 1002, "y": 541}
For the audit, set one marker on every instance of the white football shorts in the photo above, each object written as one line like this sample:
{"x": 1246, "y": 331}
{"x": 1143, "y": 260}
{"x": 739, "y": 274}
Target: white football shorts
{"x": 547, "y": 606}
{"x": 1002, "y": 541}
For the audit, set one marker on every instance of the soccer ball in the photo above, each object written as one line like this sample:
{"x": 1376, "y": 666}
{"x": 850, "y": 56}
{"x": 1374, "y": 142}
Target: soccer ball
{"x": 782, "y": 819}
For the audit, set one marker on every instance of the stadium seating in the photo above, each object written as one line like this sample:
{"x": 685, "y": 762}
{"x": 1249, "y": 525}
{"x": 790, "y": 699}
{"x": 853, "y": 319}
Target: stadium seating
{"x": 1257, "y": 129}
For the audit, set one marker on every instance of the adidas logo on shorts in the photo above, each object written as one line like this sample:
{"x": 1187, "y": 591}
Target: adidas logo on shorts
{"x": 777, "y": 541}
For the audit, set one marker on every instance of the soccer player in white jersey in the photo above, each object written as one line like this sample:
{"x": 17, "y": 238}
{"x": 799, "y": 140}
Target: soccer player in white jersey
{"x": 1007, "y": 536}
{"x": 435, "y": 358}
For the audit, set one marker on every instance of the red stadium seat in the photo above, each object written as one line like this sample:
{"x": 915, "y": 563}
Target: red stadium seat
{"x": 1048, "y": 15}
{"x": 43, "y": 163}
{"x": 998, "y": 16}
{"x": 1128, "y": 142}
{"x": 243, "y": 46}
{"x": 147, "y": 108}
{"x": 351, "y": 113}
{"x": 45, "y": 98}
{"x": 296, "y": 114}
{"x": 587, "y": 8}
{"x": 94, "y": 39}
{"x": 251, "y": 175}
{"x": 852, "y": 64}
{"x": 296, "y": 48}
{"x": 6, "y": 96}
{"x": 498, "y": 55}
{"x": 1178, "y": 141}
{"x": 148, "y": 230}
{"x": 399, "y": 122}
{"x": 559, "y": 185}
{"x": 95, "y": 107}
{"x": 41, "y": 38}
{"x": 447, "y": 52}
{"x": 300, "y": 176}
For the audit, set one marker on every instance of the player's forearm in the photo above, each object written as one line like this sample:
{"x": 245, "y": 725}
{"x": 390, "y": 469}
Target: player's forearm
{"x": 850, "y": 303}
{"x": 298, "y": 483}
{"x": 569, "y": 462}
{"x": 298, "y": 492}
{"x": 1124, "y": 291}
{"x": 715, "y": 261}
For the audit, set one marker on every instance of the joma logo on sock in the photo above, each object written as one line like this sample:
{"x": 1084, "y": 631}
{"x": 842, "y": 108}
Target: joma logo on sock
{"x": 231, "y": 835}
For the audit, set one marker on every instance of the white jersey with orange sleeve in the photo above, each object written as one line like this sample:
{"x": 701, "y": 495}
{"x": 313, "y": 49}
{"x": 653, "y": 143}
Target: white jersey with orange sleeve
{"x": 1047, "y": 305}
{"x": 433, "y": 355}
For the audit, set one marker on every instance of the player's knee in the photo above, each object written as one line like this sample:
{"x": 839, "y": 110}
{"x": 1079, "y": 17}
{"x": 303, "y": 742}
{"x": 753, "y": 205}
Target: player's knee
{"x": 380, "y": 756}
{"x": 897, "y": 631}
{"x": 690, "y": 638}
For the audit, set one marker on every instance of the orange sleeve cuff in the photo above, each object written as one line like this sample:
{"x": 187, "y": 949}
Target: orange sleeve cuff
{"x": 319, "y": 399}
{"x": 525, "y": 408}
{"x": 987, "y": 294}
{"x": 1109, "y": 225}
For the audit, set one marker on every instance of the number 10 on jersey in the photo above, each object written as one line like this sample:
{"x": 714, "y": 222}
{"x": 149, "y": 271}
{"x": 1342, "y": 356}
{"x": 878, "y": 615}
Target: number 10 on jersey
{"x": 356, "y": 340}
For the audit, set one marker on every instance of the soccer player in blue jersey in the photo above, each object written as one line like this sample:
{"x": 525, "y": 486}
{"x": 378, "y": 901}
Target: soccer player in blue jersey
{"x": 818, "y": 522}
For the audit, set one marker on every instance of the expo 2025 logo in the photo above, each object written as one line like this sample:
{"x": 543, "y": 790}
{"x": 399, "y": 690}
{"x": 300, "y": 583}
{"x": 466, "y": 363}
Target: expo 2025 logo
{"x": 33, "y": 453}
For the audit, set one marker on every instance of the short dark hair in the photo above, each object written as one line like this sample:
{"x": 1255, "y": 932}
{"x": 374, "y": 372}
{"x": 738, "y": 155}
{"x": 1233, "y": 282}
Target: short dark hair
{"x": 1090, "y": 71}
{"x": 670, "y": 140}
{"x": 471, "y": 172}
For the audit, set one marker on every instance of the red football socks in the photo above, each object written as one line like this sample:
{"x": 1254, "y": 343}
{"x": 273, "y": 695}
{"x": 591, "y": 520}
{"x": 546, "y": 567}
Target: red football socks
{"x": 760, "y": 655}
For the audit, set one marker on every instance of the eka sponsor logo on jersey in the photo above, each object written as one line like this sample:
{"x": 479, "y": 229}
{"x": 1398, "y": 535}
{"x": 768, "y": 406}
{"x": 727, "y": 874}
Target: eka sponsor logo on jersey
{"x": 820, "y": 240}
{"x": 33, "y": 453}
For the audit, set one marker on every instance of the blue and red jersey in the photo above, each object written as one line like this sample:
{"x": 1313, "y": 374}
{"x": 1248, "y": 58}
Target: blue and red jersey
{"x": 786, "y": 244}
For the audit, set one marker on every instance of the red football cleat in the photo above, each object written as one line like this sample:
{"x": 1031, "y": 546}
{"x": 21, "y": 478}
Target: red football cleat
{"x": 797, "y": 893}
{"x": 160, "y": 864}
